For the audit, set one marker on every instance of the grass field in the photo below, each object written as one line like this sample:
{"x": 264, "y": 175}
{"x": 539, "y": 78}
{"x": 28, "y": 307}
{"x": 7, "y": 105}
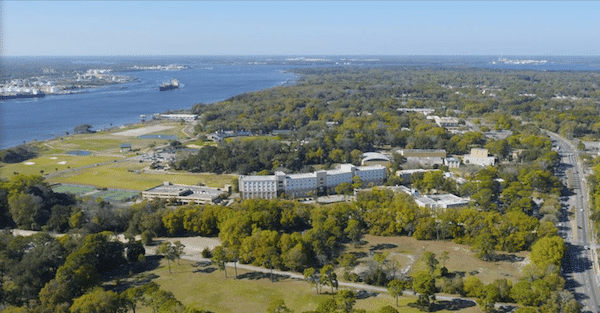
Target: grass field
{"x": 207, "y": 288}
{"x": 49, "y": 163}
{"x": 129, "y": 175}
{"x": 461, "y": 260}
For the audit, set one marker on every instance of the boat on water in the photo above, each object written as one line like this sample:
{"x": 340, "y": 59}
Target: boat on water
{"x": 173, "y": 84}
{"x": 22, "y": 95}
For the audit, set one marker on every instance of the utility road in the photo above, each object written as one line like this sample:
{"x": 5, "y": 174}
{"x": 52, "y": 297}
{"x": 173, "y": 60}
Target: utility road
{"x": 580, "y": 265}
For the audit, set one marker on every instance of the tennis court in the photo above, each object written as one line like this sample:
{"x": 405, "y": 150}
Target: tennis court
{"x": 74, "y": 189}
{"x": 115, "y": 195}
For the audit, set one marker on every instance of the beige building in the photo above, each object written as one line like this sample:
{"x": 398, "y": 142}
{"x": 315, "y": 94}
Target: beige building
{"x": 422, "y": 153}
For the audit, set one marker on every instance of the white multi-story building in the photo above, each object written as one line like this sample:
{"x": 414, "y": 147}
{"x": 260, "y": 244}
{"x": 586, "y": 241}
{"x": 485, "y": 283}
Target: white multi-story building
{"x": 301, "y": 185}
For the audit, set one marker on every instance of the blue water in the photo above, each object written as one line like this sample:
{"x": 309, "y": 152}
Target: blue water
{"x": 24, "y": 120}
{"x": 79, "y": 152}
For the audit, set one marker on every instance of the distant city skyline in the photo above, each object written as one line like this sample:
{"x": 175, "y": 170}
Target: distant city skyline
{"x": 113, "y": 28}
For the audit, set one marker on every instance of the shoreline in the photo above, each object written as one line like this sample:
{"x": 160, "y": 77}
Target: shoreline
{"x": 289, "y": 82}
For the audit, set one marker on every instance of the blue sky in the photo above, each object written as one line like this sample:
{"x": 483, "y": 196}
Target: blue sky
{"x": 300, "y": 28}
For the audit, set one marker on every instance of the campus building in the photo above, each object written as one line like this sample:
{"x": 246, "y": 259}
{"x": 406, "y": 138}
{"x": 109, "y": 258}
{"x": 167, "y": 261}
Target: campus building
{"x": 479, "y": 157}
{"x": 184, "y": 193}
{"x": 301, "y": 185}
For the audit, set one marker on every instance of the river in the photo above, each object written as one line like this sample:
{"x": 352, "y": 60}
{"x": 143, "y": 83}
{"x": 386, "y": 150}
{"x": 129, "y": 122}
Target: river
{"x": 25, "y": 120}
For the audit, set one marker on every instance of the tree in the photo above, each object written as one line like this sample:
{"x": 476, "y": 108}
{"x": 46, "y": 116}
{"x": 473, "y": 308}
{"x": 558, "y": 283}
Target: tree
{"x": 357, "y": 182}
{"x": 471, "y": 285}
{"x": 430, "y": 261}
{"x": 396, "y": 288}
{"x": 98, "y": 301}
{"x": 345, "y": 300}
{"x": 25, "y": 210}
{"x": 484, "y": 243}
{"x": 445, "y": 257}
{"x": 487, "y": 296}
{"x": 548, "y": 250}
{"x": 424, "y": 285}
{"x": 178, "y": 249}
{"x": 82, "y": 129}
{"x": 387, "y": 309}
{"x": 328, "y": 277}
{"x": 523, "y": 294}
{"x": 311, "y": 276}
{"x": 220, "y": 258}
{"x": 343, "y": 189}
{"x": 170, "y": 251}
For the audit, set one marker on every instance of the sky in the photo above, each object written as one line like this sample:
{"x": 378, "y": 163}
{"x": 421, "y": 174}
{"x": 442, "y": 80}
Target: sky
{"x": 117, "y": 28}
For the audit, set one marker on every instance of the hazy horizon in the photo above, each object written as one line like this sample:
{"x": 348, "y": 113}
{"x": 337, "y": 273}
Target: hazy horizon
{"x": 306, "y": 28}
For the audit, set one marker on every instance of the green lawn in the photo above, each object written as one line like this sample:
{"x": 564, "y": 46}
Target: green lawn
{"x": 129, "y": 175}
{"x": 207, "y": 290}
{"x": 49, "y": 163}
{"x": 461, "y": 258}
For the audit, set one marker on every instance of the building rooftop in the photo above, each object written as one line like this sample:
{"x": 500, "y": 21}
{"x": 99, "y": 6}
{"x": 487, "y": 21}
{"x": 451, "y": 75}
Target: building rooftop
{"x": 257, "y": 177}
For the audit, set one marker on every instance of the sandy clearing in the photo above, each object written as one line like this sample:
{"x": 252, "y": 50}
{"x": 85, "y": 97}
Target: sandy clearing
{"x": 193, "y": 245}
{"x": 142, "y": 131}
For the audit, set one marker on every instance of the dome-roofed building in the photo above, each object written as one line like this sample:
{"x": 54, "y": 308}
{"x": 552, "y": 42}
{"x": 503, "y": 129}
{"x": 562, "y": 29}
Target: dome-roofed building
{"x": 375, "y": 158}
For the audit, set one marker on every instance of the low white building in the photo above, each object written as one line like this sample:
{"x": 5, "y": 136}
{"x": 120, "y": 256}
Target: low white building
{"x": 184, "y": 193}
{"x": 178, "y": 117}
{"x": 479, "y": 157}
{"x": 444, "y": 201}
{"x": 452, "y": 162}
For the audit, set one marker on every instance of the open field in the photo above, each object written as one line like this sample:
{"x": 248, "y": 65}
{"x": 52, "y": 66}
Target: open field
{"x": 130, "y": 175}
{"x": 142, "y": 131}
{"x": 207, "y": 288}
{"x": 50, "y": 163}
{"x": 462, "y": 259}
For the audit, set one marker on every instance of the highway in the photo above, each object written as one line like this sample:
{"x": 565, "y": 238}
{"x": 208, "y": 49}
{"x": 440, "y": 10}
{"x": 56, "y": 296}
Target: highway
{"x": 580, "y": 265}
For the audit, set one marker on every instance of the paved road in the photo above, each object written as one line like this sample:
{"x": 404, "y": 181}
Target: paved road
{"x": 580, "y": 265}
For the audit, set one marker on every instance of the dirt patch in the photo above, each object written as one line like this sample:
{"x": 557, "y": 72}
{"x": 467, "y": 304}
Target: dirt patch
{"x": 407, "y": 251}
{"x": 143, "y": 131}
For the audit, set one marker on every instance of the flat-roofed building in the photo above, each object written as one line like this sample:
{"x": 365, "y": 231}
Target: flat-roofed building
{"x": 259, "y": 187}
{"x": 445, "y": 121}
{"x": 479, "y": 157}
{"x": 445, "y": 201}
{"x": 375, "y": 174}
{"x": 422, "y": 153}
{"x": 184, "y": 193}
{"x": 452, "y": 162}
{"x": 178, "y": 117}
{"x": 301, "y": 185}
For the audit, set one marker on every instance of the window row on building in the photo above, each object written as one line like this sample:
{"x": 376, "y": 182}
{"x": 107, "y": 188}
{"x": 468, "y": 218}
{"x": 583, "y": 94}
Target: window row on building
{"x": 301, "y": 185}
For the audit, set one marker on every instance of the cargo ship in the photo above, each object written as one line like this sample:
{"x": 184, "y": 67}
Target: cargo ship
{"x": 173, "y": 84}
{"x": 22, "y": 95}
